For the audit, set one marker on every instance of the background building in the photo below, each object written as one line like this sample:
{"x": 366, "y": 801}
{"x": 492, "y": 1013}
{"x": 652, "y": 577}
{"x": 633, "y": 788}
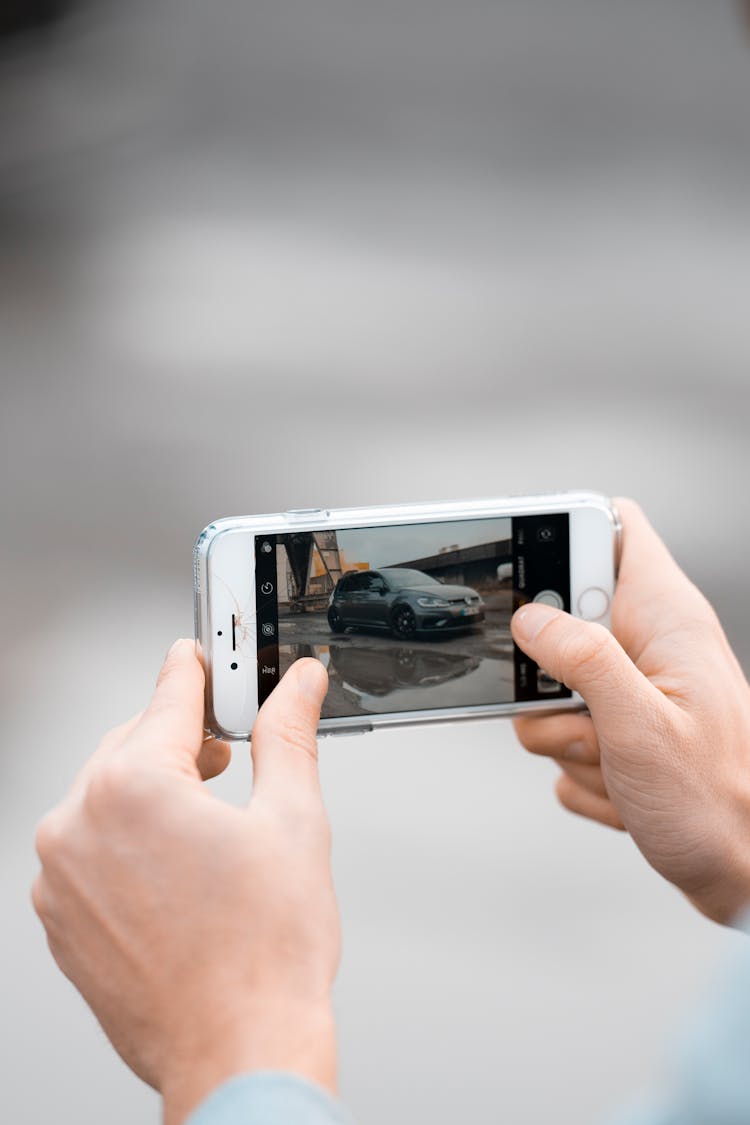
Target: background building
{"x": 468, "y": 566}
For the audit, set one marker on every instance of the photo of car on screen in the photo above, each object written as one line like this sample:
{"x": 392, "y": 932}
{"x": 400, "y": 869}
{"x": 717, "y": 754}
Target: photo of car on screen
{"x": 404, "y": 617}
{"x": 406, "y": 603}
{"x": 410, "y": 617}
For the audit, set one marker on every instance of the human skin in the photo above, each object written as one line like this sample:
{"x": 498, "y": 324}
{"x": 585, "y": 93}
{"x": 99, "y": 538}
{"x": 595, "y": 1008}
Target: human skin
{"x": 665, "y": 751}
{"x": 204, "y": 937}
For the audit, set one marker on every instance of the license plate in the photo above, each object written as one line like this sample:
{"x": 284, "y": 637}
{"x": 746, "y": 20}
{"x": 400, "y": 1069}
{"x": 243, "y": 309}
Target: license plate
{"x": 470, "y": 611}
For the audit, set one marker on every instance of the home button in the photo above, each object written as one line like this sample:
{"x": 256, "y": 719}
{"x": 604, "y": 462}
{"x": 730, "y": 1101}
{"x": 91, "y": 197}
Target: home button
{"x": 593, "y": 603}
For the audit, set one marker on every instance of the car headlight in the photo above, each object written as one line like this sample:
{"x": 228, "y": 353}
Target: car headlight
{"x": 433, "y": 603}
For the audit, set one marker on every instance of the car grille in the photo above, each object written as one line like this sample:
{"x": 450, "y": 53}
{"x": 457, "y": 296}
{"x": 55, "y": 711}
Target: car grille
{"x": 474, "y": 600}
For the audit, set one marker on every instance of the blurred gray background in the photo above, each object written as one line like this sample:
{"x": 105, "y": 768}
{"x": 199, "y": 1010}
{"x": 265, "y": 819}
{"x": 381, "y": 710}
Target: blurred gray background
{"x": 282, "y": 254}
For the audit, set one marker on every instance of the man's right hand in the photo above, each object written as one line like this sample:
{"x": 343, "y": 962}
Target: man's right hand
{"x": 665, "y": 752}
{"x": 204, "y": 937}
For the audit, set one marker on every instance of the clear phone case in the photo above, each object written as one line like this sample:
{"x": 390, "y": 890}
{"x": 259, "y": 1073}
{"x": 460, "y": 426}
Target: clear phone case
{"x": 321, "y": 519}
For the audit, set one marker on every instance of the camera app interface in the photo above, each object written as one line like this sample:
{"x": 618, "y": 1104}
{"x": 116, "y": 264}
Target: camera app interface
{"x": 410, "y": 617}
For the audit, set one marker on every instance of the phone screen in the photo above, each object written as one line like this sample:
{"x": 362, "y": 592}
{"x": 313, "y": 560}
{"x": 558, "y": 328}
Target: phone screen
{"x": 410, "y": 617}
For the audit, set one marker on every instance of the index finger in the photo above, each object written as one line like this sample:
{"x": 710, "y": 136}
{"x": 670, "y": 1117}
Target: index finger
{"x": 172, "y": 724}
{"x": 571, "y": 737}
{"x": 646, "y": 559}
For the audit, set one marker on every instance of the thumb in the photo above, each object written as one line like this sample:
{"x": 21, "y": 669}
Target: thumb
{"x": 284, "y": 741}
{"x": 586, "y": 658}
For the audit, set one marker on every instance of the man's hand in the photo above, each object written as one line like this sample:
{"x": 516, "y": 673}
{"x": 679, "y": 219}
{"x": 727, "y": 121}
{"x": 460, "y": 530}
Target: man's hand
{"x": 204, "y": 937}
{"x": 665, "y": 752}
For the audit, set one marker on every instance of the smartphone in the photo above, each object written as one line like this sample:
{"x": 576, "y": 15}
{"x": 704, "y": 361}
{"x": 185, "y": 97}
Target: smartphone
{"x": 408, "y": 607}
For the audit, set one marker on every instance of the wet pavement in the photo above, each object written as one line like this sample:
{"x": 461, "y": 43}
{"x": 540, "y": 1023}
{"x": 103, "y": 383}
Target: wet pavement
{"x": 373, "y": 672}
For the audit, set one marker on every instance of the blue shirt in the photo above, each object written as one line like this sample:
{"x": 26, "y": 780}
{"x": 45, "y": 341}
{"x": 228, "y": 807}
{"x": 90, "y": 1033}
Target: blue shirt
{"x": 270, "y": 1098}
{"x": 709, "y": 1083}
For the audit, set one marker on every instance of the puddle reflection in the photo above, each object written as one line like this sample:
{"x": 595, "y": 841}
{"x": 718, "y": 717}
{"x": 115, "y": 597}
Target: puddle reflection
{"x": 366, "y": 680}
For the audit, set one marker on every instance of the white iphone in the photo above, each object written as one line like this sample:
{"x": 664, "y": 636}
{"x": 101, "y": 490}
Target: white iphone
{"x": 408, "y": 607}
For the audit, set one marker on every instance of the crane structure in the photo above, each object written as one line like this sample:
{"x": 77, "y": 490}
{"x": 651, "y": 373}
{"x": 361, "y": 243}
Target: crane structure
{"x": 305, "y": 589}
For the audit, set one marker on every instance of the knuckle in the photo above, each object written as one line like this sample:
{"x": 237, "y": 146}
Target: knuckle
{"x": 166, "y": 670}
{"x": 297, "y": 736}
{"x": 60, "y": 954}
{"x": 524, "y": 729}
{"x": 213, "y": 759}
{"x": 103, "y": 784}
{"x": 627, "y": 505}
{"x": 162, "y": 703}
{"x": 49, "y": 837}
{"x": 39, "y": 898}
{"x": 707, "y": 616}
{"x": 587, "y": 650}
{"x": 302, "y": 746}
{"x": 564, "y": 790}
{"x": 115, "y": 736}
{"x": 113, "y": 783}
{"x": 535, "y": 742}
{"x": 521, "y": 732}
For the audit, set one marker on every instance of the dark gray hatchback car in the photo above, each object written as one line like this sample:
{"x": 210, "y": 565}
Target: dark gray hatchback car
{"x": 405, "y": 602}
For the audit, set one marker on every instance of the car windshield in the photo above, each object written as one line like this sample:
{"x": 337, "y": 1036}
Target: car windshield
{"x": 400, "y": 576}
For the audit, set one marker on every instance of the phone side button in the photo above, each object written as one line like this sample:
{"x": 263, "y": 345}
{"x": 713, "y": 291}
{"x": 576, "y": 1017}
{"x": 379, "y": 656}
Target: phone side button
{"x": 593, "y": 603}
{"x": 347, "y": 730}
{"x": 305, "y": 513}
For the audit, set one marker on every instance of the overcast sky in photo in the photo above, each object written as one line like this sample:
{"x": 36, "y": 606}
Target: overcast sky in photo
{"x": 387, "y": 546}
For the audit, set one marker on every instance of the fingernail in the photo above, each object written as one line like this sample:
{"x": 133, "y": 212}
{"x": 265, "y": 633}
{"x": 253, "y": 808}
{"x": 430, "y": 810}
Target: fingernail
{"x": 575, "y": 752}
{"x": 311, "y": 680}
{"x": 529, "y": 621}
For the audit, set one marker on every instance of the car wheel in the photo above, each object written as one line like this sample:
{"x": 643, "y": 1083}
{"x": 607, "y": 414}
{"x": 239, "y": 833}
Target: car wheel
{"x": 336, "y": 621}
{"x": 404, "y": 621}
